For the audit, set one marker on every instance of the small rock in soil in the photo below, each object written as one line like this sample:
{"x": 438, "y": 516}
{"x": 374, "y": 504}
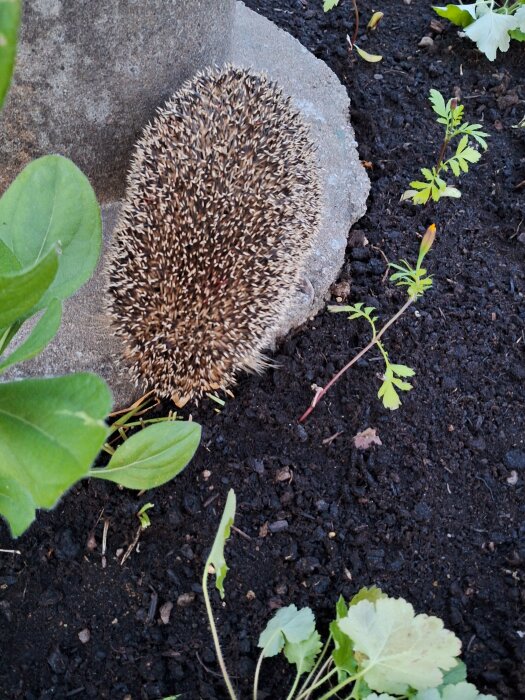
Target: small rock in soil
{"x": 278, "y": 526}
{"x": 84, "y": 635}
{"x": 515, "y": 459}
{"x": 57, "y": 661}
{"x": 185, "y": 599}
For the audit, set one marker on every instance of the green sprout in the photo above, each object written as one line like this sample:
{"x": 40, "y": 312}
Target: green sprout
{"x": 143, "y": 516}
{"x": 417, "y": 282}
{"x": 377, "y": 647}
{"x": 433, "y": 186}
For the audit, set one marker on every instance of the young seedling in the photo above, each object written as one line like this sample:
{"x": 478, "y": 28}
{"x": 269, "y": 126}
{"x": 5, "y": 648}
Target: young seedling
{"x": 433, "y": 186}
{"x": 351, "y": 42}
{"x": 378, "y": 648}
{"x": 143, "y": 516}
{"x": 417, "y": 282}
{"x": 216, "y": 564}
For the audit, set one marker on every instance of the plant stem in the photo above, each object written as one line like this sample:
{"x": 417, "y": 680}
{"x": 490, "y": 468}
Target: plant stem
{"x": 257, "y": 674}
{"x": 317, "y": 664}
{"x": 341, "y": 685}
{"x": 214, "y": 634}
{"x": 294, "y": 686}
{"x": 356, "y": 28}
{"x": 305, "y": 694}
{"x": 322, "y": 670}
{"x": 370, "y": 345}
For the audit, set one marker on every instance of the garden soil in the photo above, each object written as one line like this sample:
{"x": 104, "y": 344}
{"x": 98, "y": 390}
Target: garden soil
{"x": 434, "y": 514}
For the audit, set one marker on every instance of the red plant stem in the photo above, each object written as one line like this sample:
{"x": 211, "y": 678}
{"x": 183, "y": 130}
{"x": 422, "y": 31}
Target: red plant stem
{"x": 441, "y": 154}
{"x": 356, "y": 13}
{"x": 321, "y": 392}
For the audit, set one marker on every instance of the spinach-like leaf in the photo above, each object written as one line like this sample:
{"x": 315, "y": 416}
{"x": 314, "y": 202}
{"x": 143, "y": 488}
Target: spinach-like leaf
{"x": 51, "y": 431}
{"x": 152, "y": 456}
{"x": 50, "y": 204}
{"x": 10, "y": 11}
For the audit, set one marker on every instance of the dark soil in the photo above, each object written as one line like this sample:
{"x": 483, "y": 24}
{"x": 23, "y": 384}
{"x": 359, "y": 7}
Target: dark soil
{"x": 435, "y": 514}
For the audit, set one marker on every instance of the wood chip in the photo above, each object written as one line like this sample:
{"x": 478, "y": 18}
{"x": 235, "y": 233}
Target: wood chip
{"x": 165, "y": 612}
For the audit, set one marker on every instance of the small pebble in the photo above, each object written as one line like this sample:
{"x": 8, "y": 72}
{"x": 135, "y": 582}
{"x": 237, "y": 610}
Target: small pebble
{"x": 426, "y": 42}
{"x": 84, "y": 635}
{"x": 185, "y": 599}
{"x": 515, "y": 459}
{"x": 165, "y": 612}
{"x": 278, "y": 526}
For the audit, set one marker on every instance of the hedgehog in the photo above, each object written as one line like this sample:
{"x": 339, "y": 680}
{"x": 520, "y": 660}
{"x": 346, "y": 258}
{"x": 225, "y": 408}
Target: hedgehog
{"x": 222, "y": 203}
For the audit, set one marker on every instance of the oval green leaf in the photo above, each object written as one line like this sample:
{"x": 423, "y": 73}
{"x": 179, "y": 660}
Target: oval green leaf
{"x": 50, "y": 204}
{"x": 152, "y": 456}
{"x": 51, "y": 430}
{"x": 10, "y": 11}
{"x": 21, "y": 292}
{"x": 44, "y": 331}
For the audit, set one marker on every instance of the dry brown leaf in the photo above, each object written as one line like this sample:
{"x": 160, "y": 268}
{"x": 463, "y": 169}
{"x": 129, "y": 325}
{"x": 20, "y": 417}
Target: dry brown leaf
{"x": 366, "y": 439}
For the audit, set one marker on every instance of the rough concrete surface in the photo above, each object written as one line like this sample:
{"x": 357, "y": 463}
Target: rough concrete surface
{"x": 85, "y": 341}
{"x": 90, "y": 74}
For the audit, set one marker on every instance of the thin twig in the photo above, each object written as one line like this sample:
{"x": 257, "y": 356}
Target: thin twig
{"x": 241, "y": 533}
{"x": 132, "y": 546}
{"x": 10, "y": 551}
{"x": 104, "y": 541}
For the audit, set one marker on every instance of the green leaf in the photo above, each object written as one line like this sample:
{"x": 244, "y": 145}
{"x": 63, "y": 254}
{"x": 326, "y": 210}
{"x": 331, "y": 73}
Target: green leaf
{"x": 490, "y": 32}
{"x": 372, "y": 594}
{"x": 51, "y": 203}
{"x": 152, "y": 456}
{"x": 8, "y": 260}
{"x": 438, "y": 104}
{"x": 329, "y": 5}
{"x": 517, "y": 34}
{"x": 303, "y": 654}
{"x": 20, "y": 292}
{"x": 460, "y": 15}
{"x": 402, "y": 370}
{"x": 216, "y": 555}
{"x": 455, "y": 675}
{"x": 451, "y": 192}
{"x": 368, "y": 57}
{"x": 44, "y": 331}
{"x": 343, "y": 653}
{"x": 389, "y": 395}
{"x": 51, "y": 431}
{"x": 458, "y": 691}
{"x": 287, "y": 625}
{"x": 397, "y": 649}
{"x": 10, "y": 11}
{"x": 404, "y": 386}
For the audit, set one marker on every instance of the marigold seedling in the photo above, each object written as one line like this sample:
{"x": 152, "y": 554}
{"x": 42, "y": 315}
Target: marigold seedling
{"x": 417, "y": 282}
{"x": 434, "y": 186}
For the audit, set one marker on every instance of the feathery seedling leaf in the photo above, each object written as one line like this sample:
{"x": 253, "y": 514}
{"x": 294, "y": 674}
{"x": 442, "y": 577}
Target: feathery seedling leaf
{"x": 433, "y": 186}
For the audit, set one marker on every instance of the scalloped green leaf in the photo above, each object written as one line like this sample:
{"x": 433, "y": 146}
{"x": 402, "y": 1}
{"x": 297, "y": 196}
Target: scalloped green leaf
{"x": 288, "y": 624}
{"x": 303, "y": 654}
{"x": 397, "y": 649}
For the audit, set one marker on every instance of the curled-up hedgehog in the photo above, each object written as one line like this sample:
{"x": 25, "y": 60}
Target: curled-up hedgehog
{"x": 222, "y": 203}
